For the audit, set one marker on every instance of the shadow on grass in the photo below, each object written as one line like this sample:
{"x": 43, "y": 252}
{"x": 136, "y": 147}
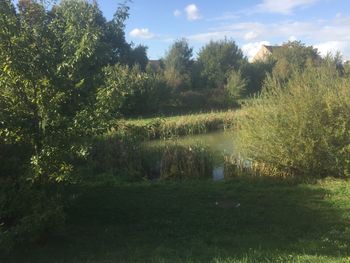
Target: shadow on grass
{"x": 242, "y": 220}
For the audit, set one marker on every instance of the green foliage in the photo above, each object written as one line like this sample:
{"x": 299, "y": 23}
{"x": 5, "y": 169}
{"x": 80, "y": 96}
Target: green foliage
{"x": 51, "y": 64}
{"x": 118, "y": 155}
{"x": 301, "y": 126}
{"x": 129, "y": 91}
{"x": 180, "y": 162}
{"x": 161, "y": 128}
{"x": 216, "y": 60}
{"x": 293, "y": 56}
{"x": 138, "y": 56}
{"x": 177, "y": 65}
{"x": 236, "y": 85}
{"x": 255, "y": 74}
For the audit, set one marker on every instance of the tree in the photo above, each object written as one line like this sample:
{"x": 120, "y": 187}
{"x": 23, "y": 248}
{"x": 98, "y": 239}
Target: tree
{"x": 255, "y": 73}
{"x": 293, "y": 56}
{"x": 138, "y": 56}
{"x": 177, "y": 64}
{"x": 115, "y": 35}
{"x": 51, "y": 66}
{"x": 216, "y": 60}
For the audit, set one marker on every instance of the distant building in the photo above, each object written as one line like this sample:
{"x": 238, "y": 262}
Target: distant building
{"x": 264, "y": 53}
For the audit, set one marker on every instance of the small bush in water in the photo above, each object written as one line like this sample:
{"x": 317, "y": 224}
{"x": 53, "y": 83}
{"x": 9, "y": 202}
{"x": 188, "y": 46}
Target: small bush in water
{"x": 179, "y": 162}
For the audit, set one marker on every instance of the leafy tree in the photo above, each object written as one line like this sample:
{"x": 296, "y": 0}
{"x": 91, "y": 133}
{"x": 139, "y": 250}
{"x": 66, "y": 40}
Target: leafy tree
{"x": 216, "y": 60}
{"x": 293, "y": 56}
{"x": 51, "y": 64}
{"x": 177, "y": 65}
{"x": 138, "y": 56}
{"x": 255, "y": 74}
{"x": 115, "y": 35}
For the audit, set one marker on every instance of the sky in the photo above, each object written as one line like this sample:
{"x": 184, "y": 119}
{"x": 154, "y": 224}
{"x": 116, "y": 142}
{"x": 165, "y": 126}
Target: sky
{"x": 324, "y": 24}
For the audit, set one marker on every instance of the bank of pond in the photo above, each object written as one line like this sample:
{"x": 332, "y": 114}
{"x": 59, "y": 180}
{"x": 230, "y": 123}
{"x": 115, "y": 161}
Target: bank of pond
{"x": 171, "y": 151}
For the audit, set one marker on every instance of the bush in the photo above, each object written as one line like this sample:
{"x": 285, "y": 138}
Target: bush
{"x": 236, "y": 85}
{"x": 301, "y": 127}
{"x": 118, "y": 155}
{"x": 192, "y": 100}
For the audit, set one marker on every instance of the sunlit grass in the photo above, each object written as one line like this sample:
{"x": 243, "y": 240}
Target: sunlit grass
{"x": 154, "y": 128}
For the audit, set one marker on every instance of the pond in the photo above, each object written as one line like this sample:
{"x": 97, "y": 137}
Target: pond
{"x": 219, "y": 144}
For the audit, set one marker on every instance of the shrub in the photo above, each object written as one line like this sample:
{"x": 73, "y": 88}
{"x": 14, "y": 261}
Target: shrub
{"x": 236, "y": 85}
{"x": 118, "y": 155}
{"x": 301, "y": 127}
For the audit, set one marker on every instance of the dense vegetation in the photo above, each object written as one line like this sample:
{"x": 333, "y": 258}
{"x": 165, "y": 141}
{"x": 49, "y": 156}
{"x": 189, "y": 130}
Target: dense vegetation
{"x": 174, "y": 126}
{"x": 300, "y": 126}
{"x": 73, "y": 100}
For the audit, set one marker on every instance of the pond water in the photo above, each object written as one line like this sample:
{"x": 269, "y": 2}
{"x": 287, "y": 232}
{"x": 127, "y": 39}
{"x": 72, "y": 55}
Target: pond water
{"x": 219, "y": 143}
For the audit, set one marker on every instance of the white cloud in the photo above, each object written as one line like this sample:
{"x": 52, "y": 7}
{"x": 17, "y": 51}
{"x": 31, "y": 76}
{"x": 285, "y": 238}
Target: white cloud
{"x": 331, "y": 34}
{"x": 284, "y": 7}
{"x": 251, "y": 35}
{"x": 141, "y": 33}
{"x": 192, "y": 12}
{"x": 177, "y": 13}
{"x": 331, "y": 47}
{"x": 251, "y": 49}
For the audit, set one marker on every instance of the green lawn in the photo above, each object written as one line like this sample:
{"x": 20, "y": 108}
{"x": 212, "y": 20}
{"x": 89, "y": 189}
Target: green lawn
{"x": 241, "y": 220}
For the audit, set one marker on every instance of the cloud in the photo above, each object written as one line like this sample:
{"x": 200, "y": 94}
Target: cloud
{"x": 285, "y": 7}
{"x": 192, "y": 12}
{"x": 251, "y": 49}
{"x": 225, "y": 16}
{"x": 331, "y": 34}
{"x": 206, "y": 37}
{"x": 331, "y": 47}
{"x": 177, "y": 13}
{"x": 141, "y": 33}
{"x": 246, "y": 30}
{"x": 251, "y": 35}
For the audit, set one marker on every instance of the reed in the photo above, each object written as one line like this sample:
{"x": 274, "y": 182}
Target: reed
{"x": 168, "y": 127}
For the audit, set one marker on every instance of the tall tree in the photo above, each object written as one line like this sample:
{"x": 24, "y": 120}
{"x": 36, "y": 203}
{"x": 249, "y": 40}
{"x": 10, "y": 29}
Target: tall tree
{"x": 216, "y": 60}
{"x": 138, "y": 56}
{"x": 177, "y": 63}
{"x": 51, "y": 65}
{"x": 291, "y": 56}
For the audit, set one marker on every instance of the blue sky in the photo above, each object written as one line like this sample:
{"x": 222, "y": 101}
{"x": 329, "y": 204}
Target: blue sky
{"x": 324, "y": 24}
{"x": 251, "y": 23}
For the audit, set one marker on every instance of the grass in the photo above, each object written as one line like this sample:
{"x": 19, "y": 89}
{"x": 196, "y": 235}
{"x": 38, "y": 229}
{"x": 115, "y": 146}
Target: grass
{"x": 155, "y": 128}
{"x": 241, "y": 220}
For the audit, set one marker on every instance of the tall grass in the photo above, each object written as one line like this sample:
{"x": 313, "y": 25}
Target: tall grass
{"x": 158, "y": 128}
{"x": 302, "y": 126}
{"x": 183, "y": 162}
